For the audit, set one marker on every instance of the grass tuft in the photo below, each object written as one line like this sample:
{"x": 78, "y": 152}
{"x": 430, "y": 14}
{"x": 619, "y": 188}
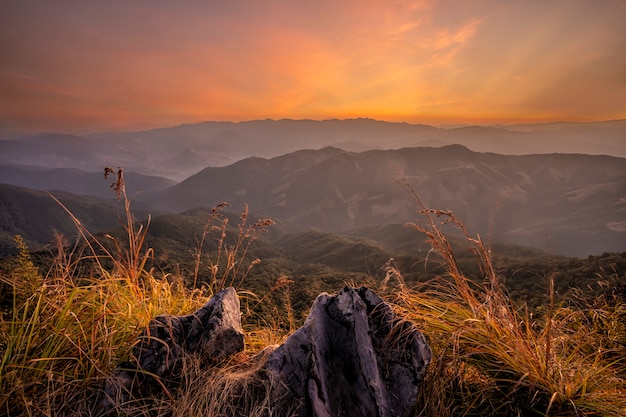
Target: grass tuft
{"x": 492, "y": 357}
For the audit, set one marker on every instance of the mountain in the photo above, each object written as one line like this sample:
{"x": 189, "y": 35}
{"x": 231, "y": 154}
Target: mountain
{"x": 314, "y": 260}
{"x": 77, "y": 181}
{"x": 181, "y": 151}
{"x": 597, "y": 138}
{"x": 567, "y": 204}
{"x": 53, "y": 151}
{"x": 37, "y": 217}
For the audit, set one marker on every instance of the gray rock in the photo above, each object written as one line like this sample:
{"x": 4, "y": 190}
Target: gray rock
{"x": 352, "y": 357}
{"x": 208, "y": 335}
{"x": 211, "y": 333}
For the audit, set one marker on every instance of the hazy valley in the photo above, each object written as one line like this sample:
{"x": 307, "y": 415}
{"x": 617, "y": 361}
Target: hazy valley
{"x": 181, "y": 151}
{"x": 560, "y": 201}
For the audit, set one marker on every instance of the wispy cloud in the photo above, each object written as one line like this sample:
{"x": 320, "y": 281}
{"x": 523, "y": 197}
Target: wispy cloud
{"x": 148, "y": 63}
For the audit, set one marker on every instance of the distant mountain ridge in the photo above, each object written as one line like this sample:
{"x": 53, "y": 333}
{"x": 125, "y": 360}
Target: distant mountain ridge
{"x": 78, "y": 181}
{"x": 35, "y": 216}
{"x": 550, "y": 186}
{"x": 568, "y": 204}
{"x": 563, "y": 203}
{"x": 180, "y": 151}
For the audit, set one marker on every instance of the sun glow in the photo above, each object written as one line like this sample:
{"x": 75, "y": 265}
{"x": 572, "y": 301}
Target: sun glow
{"x": 145, "y": 64}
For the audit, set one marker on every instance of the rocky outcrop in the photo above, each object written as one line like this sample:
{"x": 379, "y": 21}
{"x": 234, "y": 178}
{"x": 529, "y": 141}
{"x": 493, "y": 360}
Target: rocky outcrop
{"x": 352, "y": 357}
{"x": 208, "y": 335}
{"x": 212, "y": 333}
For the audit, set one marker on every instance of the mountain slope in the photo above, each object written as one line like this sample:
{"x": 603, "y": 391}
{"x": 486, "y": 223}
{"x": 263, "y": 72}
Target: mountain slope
{"x": 37, "y": 217}
{"x": 566, "y": 204}
{"x": 77, "y": 181}
{"x": 180, "y": 151}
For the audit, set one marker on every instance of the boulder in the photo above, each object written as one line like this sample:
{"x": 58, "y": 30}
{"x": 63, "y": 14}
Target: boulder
{"x": 352, "y": 357}
{"x": 210, "y": 334}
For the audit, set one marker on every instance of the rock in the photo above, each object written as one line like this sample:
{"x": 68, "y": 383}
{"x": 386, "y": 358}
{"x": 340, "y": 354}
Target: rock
{"x": 208, "y": 335}
{"x": 212, "y": 333}
{"x": 352, "y": 357}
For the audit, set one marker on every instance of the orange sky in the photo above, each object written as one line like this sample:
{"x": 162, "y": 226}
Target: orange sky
{"x": 119, "y": 64}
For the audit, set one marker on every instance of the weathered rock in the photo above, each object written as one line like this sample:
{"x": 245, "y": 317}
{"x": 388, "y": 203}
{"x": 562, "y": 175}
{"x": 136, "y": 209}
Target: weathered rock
{"x": 210, "y": 334}
{"x": 352, "y": 357}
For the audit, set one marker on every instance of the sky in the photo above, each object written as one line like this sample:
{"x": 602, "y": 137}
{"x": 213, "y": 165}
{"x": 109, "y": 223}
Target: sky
{"x": 94, "y": 65}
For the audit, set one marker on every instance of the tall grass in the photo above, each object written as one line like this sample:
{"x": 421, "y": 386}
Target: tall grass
{"x": 66, "y": 338}
{"x": 227, "y": 265}
{"x": 66, "y": 332}
{"x": 492, "y": 357}
{"x": 68, "y": 329}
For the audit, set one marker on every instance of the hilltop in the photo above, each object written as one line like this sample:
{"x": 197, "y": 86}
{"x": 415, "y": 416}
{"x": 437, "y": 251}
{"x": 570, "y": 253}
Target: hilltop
{"x": 180, "y": 151}
{"x": 563, "y": 203}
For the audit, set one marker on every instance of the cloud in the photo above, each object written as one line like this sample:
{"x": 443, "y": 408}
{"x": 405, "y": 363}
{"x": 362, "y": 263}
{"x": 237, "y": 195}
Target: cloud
{"x": 591, "y": 88}
{"x": 149, "y": 62}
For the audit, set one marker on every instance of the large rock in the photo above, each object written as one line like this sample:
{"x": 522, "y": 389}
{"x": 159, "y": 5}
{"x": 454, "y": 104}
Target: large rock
{"x": 212, "y": 333}
{"x": 352, "y": 357}
{"x": 208, "y": 335}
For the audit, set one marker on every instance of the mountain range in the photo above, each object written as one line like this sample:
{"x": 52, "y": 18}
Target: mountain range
{"x": 77, "y": 181}
{"x": 38, "y": 218}
{"x": 565, "y": 203}
{"x": 562, "y": 203}
{"x": 181, "y": 151}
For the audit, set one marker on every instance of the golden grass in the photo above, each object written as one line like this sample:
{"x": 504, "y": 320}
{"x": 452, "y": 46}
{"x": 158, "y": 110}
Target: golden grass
{"x": 67, "y": 331}
{"x": 491, "y": 357}
{"x": 239, "y": 388}
{"x": 66, "y": 338}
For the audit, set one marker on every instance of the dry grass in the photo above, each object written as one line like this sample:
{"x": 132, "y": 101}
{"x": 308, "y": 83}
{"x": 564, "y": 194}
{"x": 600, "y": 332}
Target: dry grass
{"x": 491, "y": 357}
{"x": 66, "y": 338}
{"x": 67, "y": 331}
{"x": 241, "y": 388}
{"x": 228, "y": 266}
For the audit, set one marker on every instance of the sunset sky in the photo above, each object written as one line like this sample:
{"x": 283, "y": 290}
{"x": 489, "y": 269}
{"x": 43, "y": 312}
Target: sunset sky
{"x": 136, "y": 64}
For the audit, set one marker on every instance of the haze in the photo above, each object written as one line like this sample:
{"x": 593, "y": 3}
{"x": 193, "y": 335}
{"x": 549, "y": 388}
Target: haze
{"x": 118, "y": 65}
